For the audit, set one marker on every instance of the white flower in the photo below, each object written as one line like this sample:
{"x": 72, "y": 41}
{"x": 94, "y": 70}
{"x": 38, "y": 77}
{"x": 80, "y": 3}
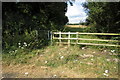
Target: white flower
{"x": 19, "y": 43}
{"x": 22, "y": 47}
{"x": 76, "y": 60}
{"x": 55, "y": 75}
{"x": 81, "y": 62}
{"x": 91, "y": 59}
{"x": 108, "y": 59}
{"x": 19, "y": 46}
{"x": 105, "y": 50}
{"x": 112, "y": 51}
{"x": 94, "y": 52}
{"x": 59, "y": 53}
{"x": 106, "y": 71}
{"x": 105, "y": 74}
{"x": 83, "y": 47}
{"x": 26, "y": 73}
{"x": 15, "y": 50}
{"x": 62, "y": 57}
{"x": 24, "y": 43}
{"x": 45, "y": 61}
{"x": 65, "y": 47}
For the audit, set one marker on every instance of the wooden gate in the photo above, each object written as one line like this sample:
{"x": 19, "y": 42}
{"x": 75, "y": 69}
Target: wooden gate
{"x": 61, "y": 36}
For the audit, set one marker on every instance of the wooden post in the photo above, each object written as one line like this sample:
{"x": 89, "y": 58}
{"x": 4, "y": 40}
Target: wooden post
{"x": 52, "y": 35}
{"x": 77, "y": 37}
{"x": 60, "y": 38}
{"x": 69, "y": 39}
{"x": 48, "y": 35}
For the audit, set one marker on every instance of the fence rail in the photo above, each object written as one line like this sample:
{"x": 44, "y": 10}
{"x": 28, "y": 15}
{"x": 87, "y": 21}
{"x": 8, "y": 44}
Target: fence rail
{"x": 69, "y": 38}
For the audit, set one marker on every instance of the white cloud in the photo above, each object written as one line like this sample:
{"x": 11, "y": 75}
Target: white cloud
{"x": 77, "y": 19}
{"x": 76, "y": 12}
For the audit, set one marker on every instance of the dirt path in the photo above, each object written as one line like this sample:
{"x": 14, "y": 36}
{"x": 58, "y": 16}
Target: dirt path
{"x": 31, "y": 71}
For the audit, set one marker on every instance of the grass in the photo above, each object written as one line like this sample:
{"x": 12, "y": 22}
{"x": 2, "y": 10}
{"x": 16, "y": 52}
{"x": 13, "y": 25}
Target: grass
{"x": 60, "y": 61}
{"x": 75, "y": 61}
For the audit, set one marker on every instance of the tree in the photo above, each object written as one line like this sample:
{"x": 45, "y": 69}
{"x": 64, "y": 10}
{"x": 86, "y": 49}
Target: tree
{"x": 23, "y": 18}
{"x": 103, "y": 16}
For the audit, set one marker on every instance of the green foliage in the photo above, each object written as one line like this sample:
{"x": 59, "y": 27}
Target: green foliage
{"x": 22, "y": 22}
{"x": 102, "y": 17}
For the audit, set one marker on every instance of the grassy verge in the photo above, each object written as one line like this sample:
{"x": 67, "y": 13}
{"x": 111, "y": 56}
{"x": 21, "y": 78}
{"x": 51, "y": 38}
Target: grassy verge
{"x": 63, "y": 61}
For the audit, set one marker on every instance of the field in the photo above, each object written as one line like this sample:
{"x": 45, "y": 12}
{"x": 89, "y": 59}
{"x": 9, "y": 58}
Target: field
{"x": 76, "y": 26}
{"x": 61, "y": 62}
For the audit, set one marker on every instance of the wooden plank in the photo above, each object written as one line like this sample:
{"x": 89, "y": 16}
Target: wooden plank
{"x": 98, "y": 44}
{"x": 87, "y": 33}
{"x": 92, "y": 44}
{"x": 65, "y": 33}
{"x": 88, "y": 39}
{"x": 77, "y": 33}
{"x": 101, "y": 33}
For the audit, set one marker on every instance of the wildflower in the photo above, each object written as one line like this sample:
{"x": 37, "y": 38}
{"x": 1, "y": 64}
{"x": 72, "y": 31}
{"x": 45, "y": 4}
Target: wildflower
{"x": 26, "y": 73}
{"x": 65, "y": 47}
{"x": 45, "y": 61}
{"x": 108, "y": 59}
{"x": 115, "y": 67}
{"x": 19, "y": 43}
{"x": 112, "y": 51}
{"x": 15, "y": 50}
{"x": 76, "y": 60}
{"x": 22, "y": 47}
{"x": 24, "y": 43}
{"x": 91, "y": 59}
{"x": 59, "y": 53}
{"x": 105, "y": 50}
{"x": 19, "y": 46}
{"x": 83, "y": 47}
{"x": 81, "y": 62}
{"x": 55, "y": 75}
{"x": 94, "y": 52}
{"x": 62, "y": 57}
{"x": 105, "y": 74}
{"x": 106, "y": 71}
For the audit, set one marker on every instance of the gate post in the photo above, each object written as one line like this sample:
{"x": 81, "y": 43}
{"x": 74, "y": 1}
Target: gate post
{"x": 60, "y": 38}
{"x": 51, "y": 37}
{"x": 69, "y": 39}
{"x": 76, "y": 37}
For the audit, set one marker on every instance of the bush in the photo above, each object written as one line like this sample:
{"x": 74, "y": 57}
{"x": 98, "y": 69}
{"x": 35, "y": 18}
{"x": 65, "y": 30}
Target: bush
{"x": 31, "y": 40}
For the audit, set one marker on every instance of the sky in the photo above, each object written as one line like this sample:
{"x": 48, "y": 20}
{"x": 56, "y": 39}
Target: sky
{"x": 76, "y": 13}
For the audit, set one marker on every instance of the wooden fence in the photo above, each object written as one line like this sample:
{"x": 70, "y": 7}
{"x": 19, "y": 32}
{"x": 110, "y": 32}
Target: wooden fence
{"x": 77, "y": 39}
